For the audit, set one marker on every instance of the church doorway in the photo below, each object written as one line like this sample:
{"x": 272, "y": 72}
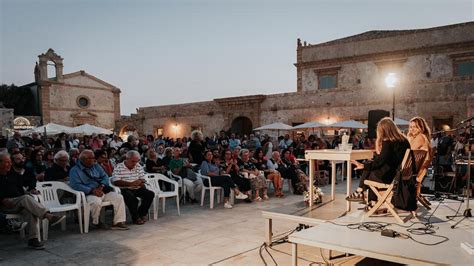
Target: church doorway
{"x": 241, "y": 125}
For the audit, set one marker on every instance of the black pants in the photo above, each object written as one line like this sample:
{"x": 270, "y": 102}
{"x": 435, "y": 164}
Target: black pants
{"x": 224, "y": 182}
{"x": 291, "y": 174}
{"x": 130, "y": 198}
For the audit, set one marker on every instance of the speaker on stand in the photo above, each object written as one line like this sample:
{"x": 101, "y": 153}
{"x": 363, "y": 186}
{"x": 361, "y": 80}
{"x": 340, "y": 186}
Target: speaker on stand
{"x": 374, "y": 117}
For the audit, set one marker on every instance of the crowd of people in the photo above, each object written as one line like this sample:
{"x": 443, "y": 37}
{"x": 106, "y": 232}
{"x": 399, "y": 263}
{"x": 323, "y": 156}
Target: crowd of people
{"x": 97, "y": 165}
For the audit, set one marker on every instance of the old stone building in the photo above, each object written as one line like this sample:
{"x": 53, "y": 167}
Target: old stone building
{"x": 344, "y": 79}
{"x": 73, "y": 99}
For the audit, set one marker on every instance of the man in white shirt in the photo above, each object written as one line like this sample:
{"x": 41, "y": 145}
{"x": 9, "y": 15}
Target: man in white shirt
{"x": 130, "y": 177}
{"x": 116, "y": 142}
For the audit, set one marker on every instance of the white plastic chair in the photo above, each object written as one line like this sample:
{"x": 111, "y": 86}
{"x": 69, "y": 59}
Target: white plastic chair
{"x": 153, "y": 184}
{"x": 180, "y": 184}
{"x": 212, "y": 190}
{"x": 50, "y": 200}
{"x": 290, "y": 185}
{"x": 87, "y": 209}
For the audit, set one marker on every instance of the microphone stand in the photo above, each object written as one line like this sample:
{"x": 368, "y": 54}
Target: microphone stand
{"x": 467, "y": 212}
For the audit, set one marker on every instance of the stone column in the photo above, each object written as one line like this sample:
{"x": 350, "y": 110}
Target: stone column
{"x": 59, "y": 72}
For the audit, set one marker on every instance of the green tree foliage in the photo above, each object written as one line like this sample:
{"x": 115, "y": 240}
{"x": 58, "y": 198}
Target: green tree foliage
{"x": 21, "y": 99}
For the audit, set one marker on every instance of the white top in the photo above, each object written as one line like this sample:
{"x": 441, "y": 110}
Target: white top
{"x": 121, "y": 172}
{"x": 271, "y": 165}
{"x": 115, "y": 144}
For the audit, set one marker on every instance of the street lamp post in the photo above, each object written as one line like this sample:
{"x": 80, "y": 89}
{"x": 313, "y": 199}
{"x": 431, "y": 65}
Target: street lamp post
{"x": 391, "y": 81}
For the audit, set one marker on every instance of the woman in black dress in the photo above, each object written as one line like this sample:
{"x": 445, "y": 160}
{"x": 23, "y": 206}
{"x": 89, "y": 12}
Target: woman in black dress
{"x": 390, "y": 148}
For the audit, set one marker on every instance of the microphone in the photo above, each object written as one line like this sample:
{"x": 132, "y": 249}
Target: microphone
{"x": 466, "y": 120}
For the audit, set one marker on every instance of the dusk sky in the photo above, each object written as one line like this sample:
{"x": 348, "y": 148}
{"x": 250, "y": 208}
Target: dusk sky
{"x": 167, "y": 52}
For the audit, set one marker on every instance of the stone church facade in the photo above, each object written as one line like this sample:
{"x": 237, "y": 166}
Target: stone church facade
{"x": 73, "y": 99}
{"x": 343, "y": 79}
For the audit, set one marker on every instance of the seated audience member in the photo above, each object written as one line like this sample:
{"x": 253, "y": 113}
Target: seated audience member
{"x": 267, "y": 147}
{"x": 160, "y": 151}
{"x": 73, "y": 156}
{"x": 286, "y": 170}
{"x": 208, "y": 168}
{"x": 390, "y": 148}
{"x": 285, "y": 143}
{"x": 271, "y": 174}
{"x": 60, "y": 169}
{"x": 230, "y": 167}
{"x": 236, "y": 154}
{"x": 130, "y": 177}
{"x": 48, "y": 159}
{"x": 95, "y": 143}
{"x": 62, "y": 142}
{"x": 273, "y": 165}
{"x": 27, "y": 175}
{"x": 223, "y": 141}
{"x": 111, "y": 154}
{"x": 233, "y": 142}
{"x": 168, "y": 156}
{"x": 131, "y": 144}
{"x": 196, "y": 148}
{"x": 87, "y": 176}
{"x": 36, "y": 164}
{"x": 182, "y": 167}
{"x": 14, "y": 200}
{"x": 103, "y": 160}
{"x": 36, "y": 142}
{"x": 154, "y": 164}
{"x": 16, "y": 142}
{"x": 294, "y": 166}
{"x": 115, "y": 143}
{"x": 257, "y": 179}
{"x": 73, "y": 141}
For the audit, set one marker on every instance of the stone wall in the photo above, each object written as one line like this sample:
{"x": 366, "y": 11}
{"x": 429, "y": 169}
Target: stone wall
{"x": 6, "y": 120}
{"x": 61, "y": 104}
{"x": 389, "y": 41}
{"x": 424, "y": 61}
{"x": 178, "y": 120}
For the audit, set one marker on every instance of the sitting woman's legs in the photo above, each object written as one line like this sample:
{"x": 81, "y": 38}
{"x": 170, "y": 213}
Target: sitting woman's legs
{"x": 277, "y": 182}
{"x": 226, "y": 183}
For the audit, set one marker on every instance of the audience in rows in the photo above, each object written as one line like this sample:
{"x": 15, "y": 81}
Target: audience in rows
{"x": 100, "y": 166}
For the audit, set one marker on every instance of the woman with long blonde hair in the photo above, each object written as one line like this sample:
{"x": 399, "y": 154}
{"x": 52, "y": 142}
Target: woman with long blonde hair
{"x": 390, "y": 148}
{"x": 419, "y": 135}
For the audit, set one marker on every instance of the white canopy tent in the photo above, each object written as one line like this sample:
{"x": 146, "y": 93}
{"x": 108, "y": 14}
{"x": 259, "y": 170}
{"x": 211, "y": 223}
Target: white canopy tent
{"x": 349, "y": 124}
{"x": 88, "y": 129}
{"x": 275, "y": 126}
{"x": 50, "y": 129}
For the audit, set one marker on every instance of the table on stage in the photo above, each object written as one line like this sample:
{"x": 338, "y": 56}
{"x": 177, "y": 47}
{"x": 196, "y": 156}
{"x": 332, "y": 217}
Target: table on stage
{"x": 333, "y": 156}
{"x": 330, "y": 236}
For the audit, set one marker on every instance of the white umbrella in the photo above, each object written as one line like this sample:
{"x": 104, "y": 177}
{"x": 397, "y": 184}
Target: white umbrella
{"x": 275, "y": 126}
{"x": 401, "y": 122}
{"x": 87, "y": 129}
{"x": 50, "y": 129}
{"x": 310, "y": 125}
{"x": 349, "y": 124}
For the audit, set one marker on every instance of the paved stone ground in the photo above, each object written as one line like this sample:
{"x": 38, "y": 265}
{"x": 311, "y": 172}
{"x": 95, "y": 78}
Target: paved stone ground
{"x": 200, "y": 236}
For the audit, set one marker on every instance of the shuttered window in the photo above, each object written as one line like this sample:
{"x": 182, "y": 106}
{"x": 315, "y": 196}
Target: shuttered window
{"x": 465, "y": 68}
{"x": 328, "y": 81}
